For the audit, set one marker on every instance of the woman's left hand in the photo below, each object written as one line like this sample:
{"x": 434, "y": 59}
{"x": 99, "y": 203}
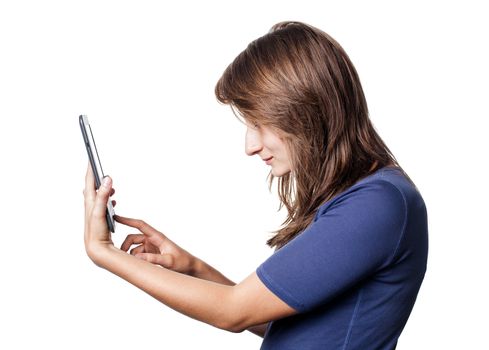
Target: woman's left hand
{"x": 97, "y": 235}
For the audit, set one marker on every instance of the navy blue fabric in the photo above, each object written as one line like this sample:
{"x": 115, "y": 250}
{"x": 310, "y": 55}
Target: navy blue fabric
{"x": 353, "y": 275}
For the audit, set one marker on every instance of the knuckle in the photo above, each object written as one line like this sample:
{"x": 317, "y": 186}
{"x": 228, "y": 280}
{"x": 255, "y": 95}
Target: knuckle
{"x": 170, "y": 262}
{"x": 142, "y": 224}
{"x": 98, "y": 214}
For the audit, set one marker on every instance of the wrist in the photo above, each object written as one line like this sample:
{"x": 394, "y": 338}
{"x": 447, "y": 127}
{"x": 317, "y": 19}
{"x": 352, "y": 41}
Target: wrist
{"x": 196, "y": 267}
{"x": 202, "y": 270}
{"x": 99, "y": 252}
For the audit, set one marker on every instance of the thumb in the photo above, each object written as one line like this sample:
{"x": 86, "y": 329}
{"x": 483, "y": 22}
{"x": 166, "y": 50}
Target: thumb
{"x": 165, "y": 260}
{"x": 102, "y": 197}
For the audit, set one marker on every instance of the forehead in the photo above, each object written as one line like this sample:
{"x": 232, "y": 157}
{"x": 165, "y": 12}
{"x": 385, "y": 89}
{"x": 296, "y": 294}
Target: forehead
{"x": 244, "y": 117}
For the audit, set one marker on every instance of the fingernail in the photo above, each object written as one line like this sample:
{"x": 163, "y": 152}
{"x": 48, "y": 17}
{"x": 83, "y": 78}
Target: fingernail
{"x": 106, "y": 181}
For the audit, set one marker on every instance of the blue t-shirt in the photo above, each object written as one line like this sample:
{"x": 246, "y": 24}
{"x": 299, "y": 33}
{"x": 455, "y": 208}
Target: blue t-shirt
{"x": 354, "y": 273}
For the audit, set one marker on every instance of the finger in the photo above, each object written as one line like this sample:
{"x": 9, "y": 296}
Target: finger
{"x": 139, "y": 249}
{"x": 89, "y": 191}
{"x": 165, "y": 260}
{"x": 157, "y": 239}
{"x": 102, "y": 197}
{"x": 132, "y": 239}
{"x": 139, "y": 224}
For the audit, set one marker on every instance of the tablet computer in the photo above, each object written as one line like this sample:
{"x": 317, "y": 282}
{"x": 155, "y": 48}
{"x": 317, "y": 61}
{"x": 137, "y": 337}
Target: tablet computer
{"x": 96, "y": 165}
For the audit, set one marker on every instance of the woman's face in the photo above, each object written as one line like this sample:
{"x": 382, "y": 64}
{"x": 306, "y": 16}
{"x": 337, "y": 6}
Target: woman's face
{"x": 269, "y": 146}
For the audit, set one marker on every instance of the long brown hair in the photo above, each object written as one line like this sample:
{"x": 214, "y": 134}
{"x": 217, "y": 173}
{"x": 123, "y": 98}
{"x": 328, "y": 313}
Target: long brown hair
{"x": 299, "y": 81}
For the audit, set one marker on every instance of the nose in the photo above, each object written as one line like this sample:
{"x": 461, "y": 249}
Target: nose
{"x": 253, "y": 143}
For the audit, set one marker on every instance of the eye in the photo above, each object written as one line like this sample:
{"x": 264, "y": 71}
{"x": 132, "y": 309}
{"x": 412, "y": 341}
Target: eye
{"x": 253, "y": 124}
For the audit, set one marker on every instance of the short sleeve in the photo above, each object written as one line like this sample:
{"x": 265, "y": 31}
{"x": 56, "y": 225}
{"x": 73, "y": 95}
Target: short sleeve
{"x": 351, "y": 238}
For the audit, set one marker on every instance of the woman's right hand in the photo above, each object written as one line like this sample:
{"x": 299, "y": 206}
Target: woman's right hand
{"x": 154, "y": 247}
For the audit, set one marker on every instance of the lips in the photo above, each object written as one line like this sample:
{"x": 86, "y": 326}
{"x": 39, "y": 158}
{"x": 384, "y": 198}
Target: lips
{"x": 268, "y": 160}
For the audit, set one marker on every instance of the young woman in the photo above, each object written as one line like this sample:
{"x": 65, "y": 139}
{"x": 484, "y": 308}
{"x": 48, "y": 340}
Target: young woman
{"x": 351, "y": 255}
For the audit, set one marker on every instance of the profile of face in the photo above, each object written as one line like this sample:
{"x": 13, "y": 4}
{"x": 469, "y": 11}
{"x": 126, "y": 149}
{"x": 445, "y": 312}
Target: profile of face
{"x": 269, "y": 146}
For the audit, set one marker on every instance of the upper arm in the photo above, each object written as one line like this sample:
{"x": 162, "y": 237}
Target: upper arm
{"x": 348, "y": 242}
{"x": 256, "y": 304}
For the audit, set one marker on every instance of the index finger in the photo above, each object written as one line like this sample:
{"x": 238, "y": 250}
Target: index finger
{"x": 139, "y": 224}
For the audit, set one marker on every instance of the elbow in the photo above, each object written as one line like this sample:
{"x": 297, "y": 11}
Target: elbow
{"x": 233, "y": 320}
{"x": 232, "y": 325}
{"x": 236, "y": 329}
{"x": 236, "y": 316}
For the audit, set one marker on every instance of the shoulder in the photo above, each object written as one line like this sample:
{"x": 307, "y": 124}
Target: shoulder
{"x": 385, "y": 207}
{"x": 385, "y": 192}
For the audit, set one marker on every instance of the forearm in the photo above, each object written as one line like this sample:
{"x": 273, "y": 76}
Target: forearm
{"x": 204, "y": 271}
{"x": 212, "y": 299}
{"x": 204, "y": 300}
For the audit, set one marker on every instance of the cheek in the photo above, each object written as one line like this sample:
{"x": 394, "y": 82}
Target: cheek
{"x": 281, "y": 149}
{"x": 275, "y": 143}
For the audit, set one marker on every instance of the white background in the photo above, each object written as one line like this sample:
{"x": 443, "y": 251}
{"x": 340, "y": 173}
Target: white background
{"x": 144, "y": 72}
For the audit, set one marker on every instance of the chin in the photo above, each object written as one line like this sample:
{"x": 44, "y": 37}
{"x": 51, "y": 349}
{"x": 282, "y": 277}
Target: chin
{"x": 280, "y": 172}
